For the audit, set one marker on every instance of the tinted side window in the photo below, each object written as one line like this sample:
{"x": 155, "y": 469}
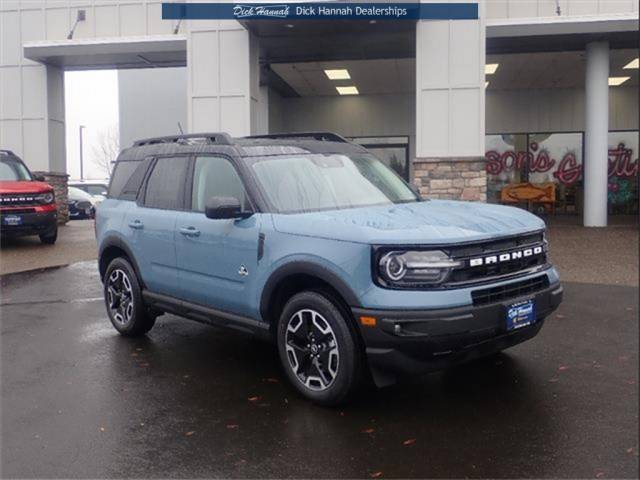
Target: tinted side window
{"x": 120, "y": 176}
{"x": 165, "y": 186}
{"x": 132, "y": 186}
{"x": 215, "y": 177}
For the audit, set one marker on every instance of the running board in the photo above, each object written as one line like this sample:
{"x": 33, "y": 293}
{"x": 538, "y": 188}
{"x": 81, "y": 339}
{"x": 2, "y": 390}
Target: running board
{"x": 206, "y": 315}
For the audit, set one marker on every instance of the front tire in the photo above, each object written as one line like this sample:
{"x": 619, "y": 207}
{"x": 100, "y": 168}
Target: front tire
{"x": 50, "y": 237}
{"x": 318, "y": 349}
{"x": 123, "y": 299}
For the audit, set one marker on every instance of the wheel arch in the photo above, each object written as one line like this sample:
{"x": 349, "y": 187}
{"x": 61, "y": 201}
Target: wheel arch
{"x": 298, "y": 276}
{"x": 112, "y": 247}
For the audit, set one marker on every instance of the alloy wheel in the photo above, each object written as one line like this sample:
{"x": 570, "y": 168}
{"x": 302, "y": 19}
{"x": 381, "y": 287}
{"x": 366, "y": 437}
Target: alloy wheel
{"x": 312, "y": 349}
{"x": 120, "y": 297}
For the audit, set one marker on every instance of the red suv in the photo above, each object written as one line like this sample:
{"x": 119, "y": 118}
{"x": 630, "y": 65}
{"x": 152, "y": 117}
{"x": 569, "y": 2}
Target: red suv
{"x": 27, "y": 203}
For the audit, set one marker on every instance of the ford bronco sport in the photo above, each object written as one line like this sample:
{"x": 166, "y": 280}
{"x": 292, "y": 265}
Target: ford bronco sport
{"x": 27, "y": 203}
{"x": 312, "y": 242}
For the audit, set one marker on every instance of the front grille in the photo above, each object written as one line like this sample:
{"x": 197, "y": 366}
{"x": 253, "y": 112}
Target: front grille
{"x": 19, "y": 199}
{"x": 15, "y": 211}
{"x": 512, "y": 290}
{"x": 469, "y": 273}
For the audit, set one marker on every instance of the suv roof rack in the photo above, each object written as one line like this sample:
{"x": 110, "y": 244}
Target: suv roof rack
{"x": 220, "y": 138}
{"x": 321, "y": 136}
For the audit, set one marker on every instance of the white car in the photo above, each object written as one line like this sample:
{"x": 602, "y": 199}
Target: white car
{"x": 96, "y": 188}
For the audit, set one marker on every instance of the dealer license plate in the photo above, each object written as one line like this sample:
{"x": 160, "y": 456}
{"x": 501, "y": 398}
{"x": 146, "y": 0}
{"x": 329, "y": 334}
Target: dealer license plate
{"x": 521, "y": 314}
{"x": 12, "y": 220}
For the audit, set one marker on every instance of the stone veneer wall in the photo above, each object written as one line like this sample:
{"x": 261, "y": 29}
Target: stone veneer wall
{"x": 451, "y": 179}
{"x": 60, "y": 187}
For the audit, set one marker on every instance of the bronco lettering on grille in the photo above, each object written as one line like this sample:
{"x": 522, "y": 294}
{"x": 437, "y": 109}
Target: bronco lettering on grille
{"x": 505, "y": 257}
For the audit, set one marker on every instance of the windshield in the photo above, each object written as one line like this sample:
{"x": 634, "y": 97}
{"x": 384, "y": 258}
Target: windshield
{"x": 305, "y": 183}
{"x": 12, "y": 169}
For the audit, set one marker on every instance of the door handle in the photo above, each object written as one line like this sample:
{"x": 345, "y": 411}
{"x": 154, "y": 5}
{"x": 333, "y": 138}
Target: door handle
{"x": 136, "y": 225}
{"x": 190, "y": 231}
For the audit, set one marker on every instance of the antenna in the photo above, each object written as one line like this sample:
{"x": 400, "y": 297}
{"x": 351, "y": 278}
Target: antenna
{"x": 180, "y": 128}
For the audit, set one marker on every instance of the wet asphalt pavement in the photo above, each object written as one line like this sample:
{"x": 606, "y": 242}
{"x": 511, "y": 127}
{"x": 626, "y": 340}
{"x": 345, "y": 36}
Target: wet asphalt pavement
{"x": 188, "y": 400}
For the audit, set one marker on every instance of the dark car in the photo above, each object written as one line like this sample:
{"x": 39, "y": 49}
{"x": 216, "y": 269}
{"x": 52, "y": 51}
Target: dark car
{"x": 27, "y": 203}
{"x": 81, "y": 204}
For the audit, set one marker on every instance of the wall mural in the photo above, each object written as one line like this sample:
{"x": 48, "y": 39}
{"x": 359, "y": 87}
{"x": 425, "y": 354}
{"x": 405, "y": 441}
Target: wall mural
{"x": 532, "y": 162}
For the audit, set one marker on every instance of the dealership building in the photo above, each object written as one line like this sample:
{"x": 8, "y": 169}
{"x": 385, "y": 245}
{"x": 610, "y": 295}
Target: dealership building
{"x": 534, "y": 103}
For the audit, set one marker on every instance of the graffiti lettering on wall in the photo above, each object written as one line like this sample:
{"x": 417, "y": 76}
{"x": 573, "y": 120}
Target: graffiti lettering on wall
{"x": 568, "y": 169}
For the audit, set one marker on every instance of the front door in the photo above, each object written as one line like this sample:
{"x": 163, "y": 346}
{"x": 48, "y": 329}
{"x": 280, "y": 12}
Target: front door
{"x": 150, "y": 225}
{"x": 217, "y": 259}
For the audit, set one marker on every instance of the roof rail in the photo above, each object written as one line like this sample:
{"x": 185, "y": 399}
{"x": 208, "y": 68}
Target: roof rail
{"x": 220, "y": 138}
{"x": 7, "y": 152}
{"x": 322, "y": 136}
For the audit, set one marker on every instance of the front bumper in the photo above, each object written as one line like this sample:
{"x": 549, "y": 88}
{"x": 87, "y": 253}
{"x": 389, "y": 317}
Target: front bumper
{"x": 32, "y": 223}
{"x": 407, "y": 342}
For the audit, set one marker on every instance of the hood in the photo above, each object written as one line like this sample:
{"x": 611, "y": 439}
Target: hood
{"x": 429, "y": 222}
{"x": 24, "y": 186}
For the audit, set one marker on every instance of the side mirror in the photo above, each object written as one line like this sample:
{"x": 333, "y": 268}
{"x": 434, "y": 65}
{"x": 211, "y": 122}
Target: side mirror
{"x": 38, "y": 177}
{"x": 219, "y": 208}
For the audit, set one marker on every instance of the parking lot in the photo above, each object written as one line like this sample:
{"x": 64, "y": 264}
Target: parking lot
{"x": 191, "y": 401}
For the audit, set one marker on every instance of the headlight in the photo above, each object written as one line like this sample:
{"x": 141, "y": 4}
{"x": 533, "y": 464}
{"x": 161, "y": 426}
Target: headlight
{"x": 45, "y": 198}
{"x": 414, "y": 268}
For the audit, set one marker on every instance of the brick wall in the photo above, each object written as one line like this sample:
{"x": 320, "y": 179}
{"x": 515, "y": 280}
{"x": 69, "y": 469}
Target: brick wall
{"x": 60, "y": 187}
{"x": 451, "y": 179}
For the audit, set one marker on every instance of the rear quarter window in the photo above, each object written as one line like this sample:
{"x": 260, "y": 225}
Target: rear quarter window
{"x": 127, "y": 178}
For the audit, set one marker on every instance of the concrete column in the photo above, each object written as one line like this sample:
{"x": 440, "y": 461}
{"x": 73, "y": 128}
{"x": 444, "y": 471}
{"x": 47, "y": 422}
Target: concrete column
{"x": 221, "y": 90}
{"x": 450, "y": 99}
{"x": 596, "y": 135}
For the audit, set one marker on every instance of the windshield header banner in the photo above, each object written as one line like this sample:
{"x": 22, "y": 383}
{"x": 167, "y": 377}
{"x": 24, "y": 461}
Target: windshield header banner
{"x": 319, "y": 11}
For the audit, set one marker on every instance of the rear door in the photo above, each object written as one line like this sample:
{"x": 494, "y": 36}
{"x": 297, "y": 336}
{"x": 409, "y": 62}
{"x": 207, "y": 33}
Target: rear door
{"x": 150, "y": 224}
{"x": 217, "y": 259}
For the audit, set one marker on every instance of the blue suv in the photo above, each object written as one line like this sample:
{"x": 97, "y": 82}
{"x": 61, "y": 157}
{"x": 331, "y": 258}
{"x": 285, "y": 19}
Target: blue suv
{"x": 310, "y": 241}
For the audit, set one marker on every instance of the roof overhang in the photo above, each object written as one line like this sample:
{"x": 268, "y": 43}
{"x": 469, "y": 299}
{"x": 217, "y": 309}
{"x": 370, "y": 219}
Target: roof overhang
{"x": 110, "y": 53}
{"x": 557, "y": 34}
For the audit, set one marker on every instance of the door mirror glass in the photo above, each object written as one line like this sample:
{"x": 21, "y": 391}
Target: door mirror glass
{"x": 219, "y": 208}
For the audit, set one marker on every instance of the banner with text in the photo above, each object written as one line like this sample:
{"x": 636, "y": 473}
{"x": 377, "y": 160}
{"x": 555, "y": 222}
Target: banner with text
{"x": 320, "y": 11}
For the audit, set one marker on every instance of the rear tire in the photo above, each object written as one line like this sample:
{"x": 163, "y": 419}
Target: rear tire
{"x": 49, "y": 238}
{"x": 318, "y": 349}
{"x": 123, "y": 299}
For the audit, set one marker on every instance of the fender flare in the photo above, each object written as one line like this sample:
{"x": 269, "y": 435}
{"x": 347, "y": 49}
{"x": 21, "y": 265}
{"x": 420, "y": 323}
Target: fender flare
{"x": 305, "y": 268}
{"x": 115, "y": 241}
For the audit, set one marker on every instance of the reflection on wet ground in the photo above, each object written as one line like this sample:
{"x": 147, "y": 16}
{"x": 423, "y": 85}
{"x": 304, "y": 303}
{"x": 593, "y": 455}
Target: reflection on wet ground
{"x": 192, "y": 401}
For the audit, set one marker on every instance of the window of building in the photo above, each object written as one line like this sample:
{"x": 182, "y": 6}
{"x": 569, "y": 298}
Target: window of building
{"x": 393, "y": 151}
{"x": 165, "y": 186}
{"x": 215, "y": 177}
{"x": 544, "y": 171}
{"x": 623, "y": 182}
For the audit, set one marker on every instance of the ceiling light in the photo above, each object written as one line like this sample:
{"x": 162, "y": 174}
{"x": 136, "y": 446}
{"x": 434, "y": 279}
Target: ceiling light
{"x": 352, "y": 90}
{"x": 615, "y": 81}
{"x": 490, "y": 68}
{"x": 338, "y": 74}
{"x": 632, "y": 65}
